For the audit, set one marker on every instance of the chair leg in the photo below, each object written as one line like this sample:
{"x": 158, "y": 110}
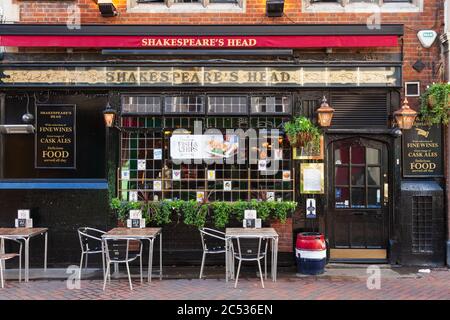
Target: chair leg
{"x": 81, "y": 263}
{"x": 140, "y": 261}
{"x": 260, "y": 273}
{"x": 129, "y": 276}
{"x": 107, "y": 273}
{"x": 20, "y": 268}
{"x": 103, "y": 264}
{"x": 86, "y": 262}
{"x": 203, "y": 264}
{"x": 1, "y": 274}
{"x": 265, "y": 266}
{"x": 237, "y": 274}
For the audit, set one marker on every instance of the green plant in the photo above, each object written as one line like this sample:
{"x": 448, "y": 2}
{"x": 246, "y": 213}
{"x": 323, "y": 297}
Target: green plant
{"x": 192, "y": 213}
{"x": 282, "y": 209}
{"x": 434, "y": 106}
{"x": 195, "y": 214}
{"x": 122, "y": 208}
{"x": 300, "y": 131}
{"x": 221, "y": 213}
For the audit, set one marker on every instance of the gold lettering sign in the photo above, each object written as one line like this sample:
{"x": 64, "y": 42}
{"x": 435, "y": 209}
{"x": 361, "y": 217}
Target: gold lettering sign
{"x": 203, "y": 76}
{"x": 422, "y": 151}
{"x": 55, "y": 136}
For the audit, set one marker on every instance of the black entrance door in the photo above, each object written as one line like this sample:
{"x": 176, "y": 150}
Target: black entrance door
{"x": 357, "y": 219}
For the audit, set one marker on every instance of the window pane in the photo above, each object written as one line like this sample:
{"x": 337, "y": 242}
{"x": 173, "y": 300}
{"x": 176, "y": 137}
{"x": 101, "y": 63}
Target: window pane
{"x": 373, "y": 178}
{"x": 358, "y": 155}
{"x": 341, "y": 155}
{"x": 141, "y": 105}
{"x": 342, "y": 198}
{"x": 374, "y": 200}
{"x": 358, "y": 198}
{"x": 271, "y": 104}
{"x": 184, "y": 104}
{"x": 358, "y": 176}
{"x": 341, "y": 175}
{"x": 373, "y": 156}
{"x": 227, "y": 104}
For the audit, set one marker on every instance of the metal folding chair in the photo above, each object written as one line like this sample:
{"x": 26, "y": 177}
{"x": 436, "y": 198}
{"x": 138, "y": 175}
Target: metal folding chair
{"x": 117, "y": 251}
{"x": 91, "y": 243}
{"x": 213, "y": 242}
{"x": 250, "y": 248}
{"x": 8, "y": 256}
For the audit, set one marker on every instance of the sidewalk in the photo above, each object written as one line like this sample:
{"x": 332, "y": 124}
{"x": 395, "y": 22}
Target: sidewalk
{"x": 336, "y": 283}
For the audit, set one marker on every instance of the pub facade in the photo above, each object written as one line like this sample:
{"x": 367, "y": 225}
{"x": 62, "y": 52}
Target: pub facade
{"x": 379, "y": 191}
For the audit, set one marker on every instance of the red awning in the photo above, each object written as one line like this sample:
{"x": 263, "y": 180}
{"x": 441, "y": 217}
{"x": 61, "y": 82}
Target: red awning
{"x": 215, "y": 42}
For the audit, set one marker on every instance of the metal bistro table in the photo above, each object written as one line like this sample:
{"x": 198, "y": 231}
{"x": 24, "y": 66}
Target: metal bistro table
{"x": 149, "y": 234}
{"x": 25, "y": 234}
{"x": 268, "y": 233}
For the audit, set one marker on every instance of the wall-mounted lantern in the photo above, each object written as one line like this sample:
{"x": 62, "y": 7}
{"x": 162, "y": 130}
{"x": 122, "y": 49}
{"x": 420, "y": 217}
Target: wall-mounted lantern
{"x": 324, "y": 113}
{"x": 107, "y": 8}
{"x": 274, "y": 8}
{"x": 405, "y": 116}
{"x": 109, "y": 115}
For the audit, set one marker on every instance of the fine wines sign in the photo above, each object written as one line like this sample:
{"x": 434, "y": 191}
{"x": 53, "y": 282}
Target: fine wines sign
{"x": 55, "y": 137}
{"x": 422, "y": 151}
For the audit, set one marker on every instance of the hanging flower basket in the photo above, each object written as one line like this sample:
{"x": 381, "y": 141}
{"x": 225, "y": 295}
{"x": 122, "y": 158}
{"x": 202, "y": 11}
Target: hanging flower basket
{"x": 300, "y": 131}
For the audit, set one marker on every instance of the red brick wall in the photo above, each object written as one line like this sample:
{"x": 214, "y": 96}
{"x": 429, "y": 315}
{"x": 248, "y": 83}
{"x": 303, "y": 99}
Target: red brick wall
{"x": 284, "y": 231}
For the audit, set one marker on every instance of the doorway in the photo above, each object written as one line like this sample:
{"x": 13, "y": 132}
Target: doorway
{"x": 358, "y": 195}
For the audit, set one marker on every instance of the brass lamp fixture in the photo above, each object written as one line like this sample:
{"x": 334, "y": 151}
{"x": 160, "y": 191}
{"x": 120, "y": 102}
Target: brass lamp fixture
{"x": 405, "y": 116}
{"x": 109, "y": 115}
{"x": 324, "y": 113}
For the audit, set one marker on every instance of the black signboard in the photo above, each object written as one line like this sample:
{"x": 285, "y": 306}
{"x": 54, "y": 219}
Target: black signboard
{"x": 422, "y": 151}
{"x": 55, "y": 145}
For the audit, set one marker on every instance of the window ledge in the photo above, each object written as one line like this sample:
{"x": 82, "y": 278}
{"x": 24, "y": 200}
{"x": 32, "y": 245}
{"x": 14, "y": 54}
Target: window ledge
{"x": 362, "y": 7}
{"x": 185, "y": 8}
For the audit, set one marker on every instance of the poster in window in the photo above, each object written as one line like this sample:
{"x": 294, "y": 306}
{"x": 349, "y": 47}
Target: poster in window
{"x": 55, "y": 138}
{"x": 312, "y": 179}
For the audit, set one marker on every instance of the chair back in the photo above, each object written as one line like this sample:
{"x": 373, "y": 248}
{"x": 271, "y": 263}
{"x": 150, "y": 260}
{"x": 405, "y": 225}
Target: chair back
{"x": 212, "y": 238}
{"x": 249, "y": 247}
{"x": 117, "y": 249}
{"x": 89, "y": 238}
{"x": 10, "y": 242}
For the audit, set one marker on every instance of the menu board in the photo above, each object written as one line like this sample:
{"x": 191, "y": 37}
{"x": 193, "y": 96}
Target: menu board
{"x": 55, "y": 145}
{"x": 422, "y": 151}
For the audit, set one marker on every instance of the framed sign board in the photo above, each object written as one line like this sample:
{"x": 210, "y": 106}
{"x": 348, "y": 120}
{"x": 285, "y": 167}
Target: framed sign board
{"x": 55, "y": 138}
{"x": 422, "y": 151}
{"x": 312, "y": 180}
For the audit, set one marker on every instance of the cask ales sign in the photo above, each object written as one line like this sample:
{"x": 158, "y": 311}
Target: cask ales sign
{"x": 422, "y": 151}
{"x": 55, "y": 144}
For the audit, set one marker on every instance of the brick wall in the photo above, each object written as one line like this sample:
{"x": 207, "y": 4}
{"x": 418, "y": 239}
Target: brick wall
{"x": 284, "y": 231}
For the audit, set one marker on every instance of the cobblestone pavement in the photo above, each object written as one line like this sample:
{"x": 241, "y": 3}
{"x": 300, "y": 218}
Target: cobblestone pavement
{"x": 428, "y": 286}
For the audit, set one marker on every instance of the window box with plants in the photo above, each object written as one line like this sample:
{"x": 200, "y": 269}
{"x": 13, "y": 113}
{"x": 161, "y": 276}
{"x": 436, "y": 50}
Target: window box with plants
{"x": 301, "y": 131}
{"x": 198, "y": 214}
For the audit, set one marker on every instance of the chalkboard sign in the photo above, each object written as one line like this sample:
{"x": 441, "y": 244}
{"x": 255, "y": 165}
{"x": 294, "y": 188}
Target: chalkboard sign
{"x": 55, "y": 137}
{"x": 422, "y": 151}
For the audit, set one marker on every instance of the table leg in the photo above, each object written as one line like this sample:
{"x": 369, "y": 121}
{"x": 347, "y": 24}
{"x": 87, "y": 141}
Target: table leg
{"x": 275, "y": 260}
{"x": 2, "y": 251}
{"x": 45, "y": 252}
{"x": 227, "y": 258}
{"x": 160, "y": 256}
{"x": 150, "y": 260}
{"x": 27, "y": 258}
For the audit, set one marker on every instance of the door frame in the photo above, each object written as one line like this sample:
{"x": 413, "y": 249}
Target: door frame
{"x": 386, "y": 137}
